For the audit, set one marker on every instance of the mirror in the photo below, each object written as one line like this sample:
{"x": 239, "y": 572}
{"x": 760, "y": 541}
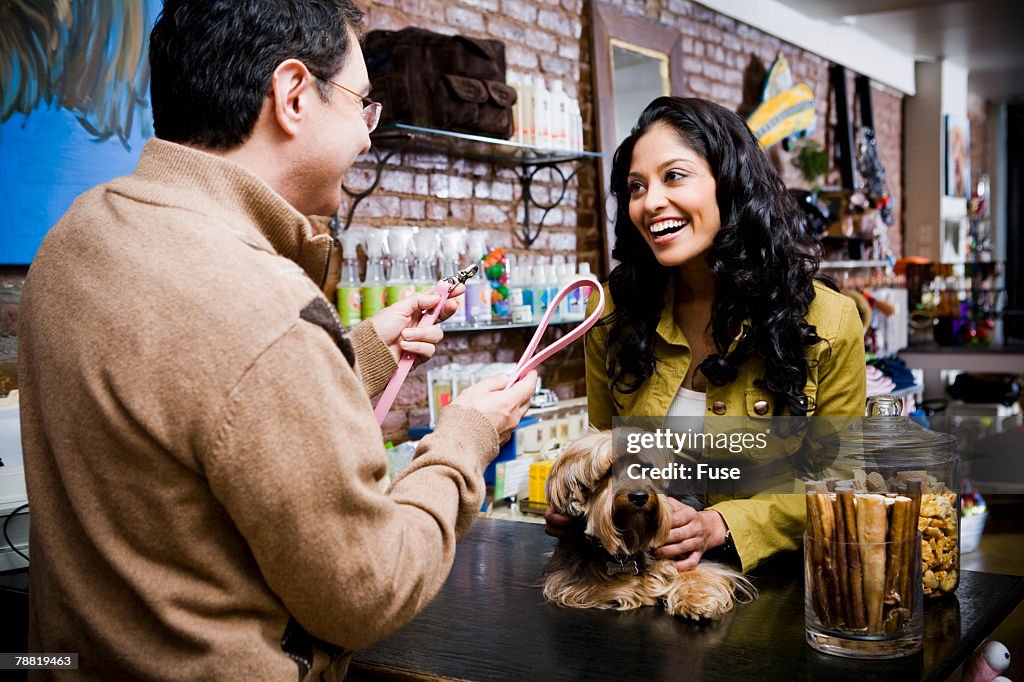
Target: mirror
{"x": 635, "y": 60}
{"x": 638, "y": 76}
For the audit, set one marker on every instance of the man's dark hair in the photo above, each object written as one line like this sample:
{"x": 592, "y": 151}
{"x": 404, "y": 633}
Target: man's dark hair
{"x": 212, "y": 61}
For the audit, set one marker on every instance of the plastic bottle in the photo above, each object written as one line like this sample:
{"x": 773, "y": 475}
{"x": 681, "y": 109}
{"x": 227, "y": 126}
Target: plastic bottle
{"x": 525, "y": 106}
{"x": 576, "y": 301}
{"x": 521, "y": 312}
{"x": 576, "y": 123}
{"x": 453, "y": 243}
{"x": 526, "y": 287}
{"x": 478, "y": 289}
{"x": 541, "y": 113}
{"x": 349, "y": 293}
{"x": 399, "y": 284}
{"x": 424, "y": 274}
{"x": 559, "y": 116}
{"x": 374, "y": 286}
{"x": 550, "y": 290}
{"x": 538, "y": 287}
{"x": 515, "y": 82}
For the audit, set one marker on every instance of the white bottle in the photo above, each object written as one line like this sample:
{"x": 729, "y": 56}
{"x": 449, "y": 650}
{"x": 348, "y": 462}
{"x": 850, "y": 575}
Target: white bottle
{"x": 478, "y": 289}
{"x": 576, "y": 126}
{"x": 374, "y": 291}
{"x": 453, "y": 242}
{"x": 576, "y": 301}
{"x": 518, "y": 290}
{"x": 517, "y": 110}
{"x": 559, "y": 116}
{"x": 527, "y": 117}
{"x": 551, "y": 291}
{"x": 541, "y": 113}
{"x": 424, "y": 275}
{"x": 399, "y": 284}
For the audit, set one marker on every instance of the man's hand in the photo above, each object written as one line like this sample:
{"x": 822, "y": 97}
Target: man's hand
{"x": 396, "y": 324}
{"x": 692, "y": 534}
{"x": 502, "y": 407}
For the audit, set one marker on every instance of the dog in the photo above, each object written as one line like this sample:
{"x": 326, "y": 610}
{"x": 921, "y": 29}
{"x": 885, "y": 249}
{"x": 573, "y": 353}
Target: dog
{"x": 611, "y": 565}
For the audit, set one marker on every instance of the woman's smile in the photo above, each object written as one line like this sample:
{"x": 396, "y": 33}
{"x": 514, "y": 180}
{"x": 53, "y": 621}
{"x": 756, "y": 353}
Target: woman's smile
{"x": 672, "y": 197}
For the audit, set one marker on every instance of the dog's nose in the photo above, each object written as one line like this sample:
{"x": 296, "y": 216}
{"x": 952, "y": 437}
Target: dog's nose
{"x": 638, "y": 498}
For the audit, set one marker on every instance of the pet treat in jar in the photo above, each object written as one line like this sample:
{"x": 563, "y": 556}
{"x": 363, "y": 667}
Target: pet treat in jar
{"x": 891, "y": 455}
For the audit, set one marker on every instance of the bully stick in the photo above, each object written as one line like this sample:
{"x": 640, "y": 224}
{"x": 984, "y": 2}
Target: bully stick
{"x": 815, "y": 529}
{"x": 858, "y": 619}
{"x": 899, "y": 564}
{"x": 913, "y": 492}
{"x": 833, "y": 568}
{"x": 821, "y": 521}
{"x": 871, "y": 527}
{"x": 842, "y": 556}
{"x": 896, "y": 563}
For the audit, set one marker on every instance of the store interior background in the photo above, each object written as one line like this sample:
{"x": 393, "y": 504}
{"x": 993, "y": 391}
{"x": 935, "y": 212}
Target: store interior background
{"x": 926, "y": 59}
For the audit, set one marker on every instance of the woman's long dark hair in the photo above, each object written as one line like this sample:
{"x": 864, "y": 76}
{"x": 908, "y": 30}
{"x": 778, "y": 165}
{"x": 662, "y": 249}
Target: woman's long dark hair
{"x": 762, "y": 259}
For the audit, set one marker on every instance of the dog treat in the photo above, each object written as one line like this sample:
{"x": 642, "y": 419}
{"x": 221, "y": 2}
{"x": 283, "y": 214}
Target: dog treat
{"x": 871, "y": 532}
{"x": 862, "y": 560}
{"x": 940, "y": 549}
{"x": 854, "y": 577}
{"x": 936, "y": 515}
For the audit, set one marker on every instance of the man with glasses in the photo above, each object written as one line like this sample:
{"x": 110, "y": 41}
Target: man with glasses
{"x": 201, "y": 452}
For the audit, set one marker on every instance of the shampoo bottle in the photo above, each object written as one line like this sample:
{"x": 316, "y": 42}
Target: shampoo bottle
{"x": 453, "y": 243}
{"x": 349, "y": 291}
{"x": 399, "y": 283}
{"x": 478, "y": 289}
{"x": 374, "y": 289}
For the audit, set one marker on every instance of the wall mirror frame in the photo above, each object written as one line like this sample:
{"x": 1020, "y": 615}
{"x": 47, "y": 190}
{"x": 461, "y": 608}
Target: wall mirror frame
{"x": 649, "y": 63}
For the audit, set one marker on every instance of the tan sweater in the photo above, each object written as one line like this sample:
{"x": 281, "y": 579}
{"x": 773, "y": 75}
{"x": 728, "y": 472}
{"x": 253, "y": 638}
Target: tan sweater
{"x": 201, "y": 458}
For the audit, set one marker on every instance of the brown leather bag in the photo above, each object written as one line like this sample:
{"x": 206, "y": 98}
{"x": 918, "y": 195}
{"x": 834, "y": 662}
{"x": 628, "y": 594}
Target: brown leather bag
{"x": 439, "y": 81}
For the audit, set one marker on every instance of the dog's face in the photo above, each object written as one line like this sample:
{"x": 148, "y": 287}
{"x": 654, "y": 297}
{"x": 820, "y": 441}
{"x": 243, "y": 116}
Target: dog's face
{"x": 626, "y": 516}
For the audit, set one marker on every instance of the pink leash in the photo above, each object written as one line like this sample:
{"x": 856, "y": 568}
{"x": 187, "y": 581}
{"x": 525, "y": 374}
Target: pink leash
{"x": 444, "y": 289}
{"x": 529, "y": 361}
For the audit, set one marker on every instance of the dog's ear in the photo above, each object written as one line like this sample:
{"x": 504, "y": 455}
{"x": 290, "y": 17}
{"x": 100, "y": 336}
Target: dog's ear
{"x": 578, "y": 470}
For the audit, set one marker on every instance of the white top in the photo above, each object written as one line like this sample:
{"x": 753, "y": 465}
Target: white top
{"x": 688, "y": 403}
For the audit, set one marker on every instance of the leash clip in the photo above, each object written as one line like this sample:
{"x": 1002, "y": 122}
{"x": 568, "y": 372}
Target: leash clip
{"x": 461, "y": 277}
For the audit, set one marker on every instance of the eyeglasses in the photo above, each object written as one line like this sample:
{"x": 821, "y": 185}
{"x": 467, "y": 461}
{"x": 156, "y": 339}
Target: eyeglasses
{"x": 371, "y": 109}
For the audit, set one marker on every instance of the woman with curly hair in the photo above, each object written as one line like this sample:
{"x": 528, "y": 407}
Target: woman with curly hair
{"x": 715, "y": 310}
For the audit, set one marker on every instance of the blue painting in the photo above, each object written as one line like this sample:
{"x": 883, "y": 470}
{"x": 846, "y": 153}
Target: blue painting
{"x": 74, "y": 107}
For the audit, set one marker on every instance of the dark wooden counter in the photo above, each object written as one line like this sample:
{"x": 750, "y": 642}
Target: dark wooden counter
{"x": 490, "y": 622}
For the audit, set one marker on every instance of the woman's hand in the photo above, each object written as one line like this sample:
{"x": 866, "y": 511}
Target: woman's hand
{"x": 396, "y": 324}
{"x": 558, "y": 525}
{"x": 693, "y": 533}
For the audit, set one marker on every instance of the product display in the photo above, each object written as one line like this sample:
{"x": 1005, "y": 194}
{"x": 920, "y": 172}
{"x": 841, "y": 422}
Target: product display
{"x": 862, "y": 571}
{"x": 889, "y": 455}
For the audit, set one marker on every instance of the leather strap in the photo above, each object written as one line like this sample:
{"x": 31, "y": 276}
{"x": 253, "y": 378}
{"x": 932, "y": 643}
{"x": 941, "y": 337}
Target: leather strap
{"x": 387, "y": 398}
{"x": 530, "y": 361}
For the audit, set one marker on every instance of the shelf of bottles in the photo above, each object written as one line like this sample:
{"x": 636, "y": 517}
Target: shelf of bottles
{"x": 955, "y": 304}
{"x": 395, "y": 138}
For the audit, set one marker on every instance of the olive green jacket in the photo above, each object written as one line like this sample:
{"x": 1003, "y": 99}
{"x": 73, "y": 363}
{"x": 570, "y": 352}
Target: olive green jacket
{"x": 763, "y": 524}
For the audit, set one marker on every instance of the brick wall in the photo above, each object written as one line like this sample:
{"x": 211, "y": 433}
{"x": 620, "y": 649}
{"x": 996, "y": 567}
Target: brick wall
{"x": 549, "y": 37}
{"x": 552, "y": 37}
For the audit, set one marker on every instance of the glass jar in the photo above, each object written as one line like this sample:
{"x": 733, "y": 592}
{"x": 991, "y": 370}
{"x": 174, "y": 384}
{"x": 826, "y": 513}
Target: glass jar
{"x": 891, "y": 455}
{"x": 862, "y": 599}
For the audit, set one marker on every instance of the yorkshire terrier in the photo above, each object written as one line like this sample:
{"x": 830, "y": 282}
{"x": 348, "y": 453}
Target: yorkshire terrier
{"x": 611, "y": 565}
